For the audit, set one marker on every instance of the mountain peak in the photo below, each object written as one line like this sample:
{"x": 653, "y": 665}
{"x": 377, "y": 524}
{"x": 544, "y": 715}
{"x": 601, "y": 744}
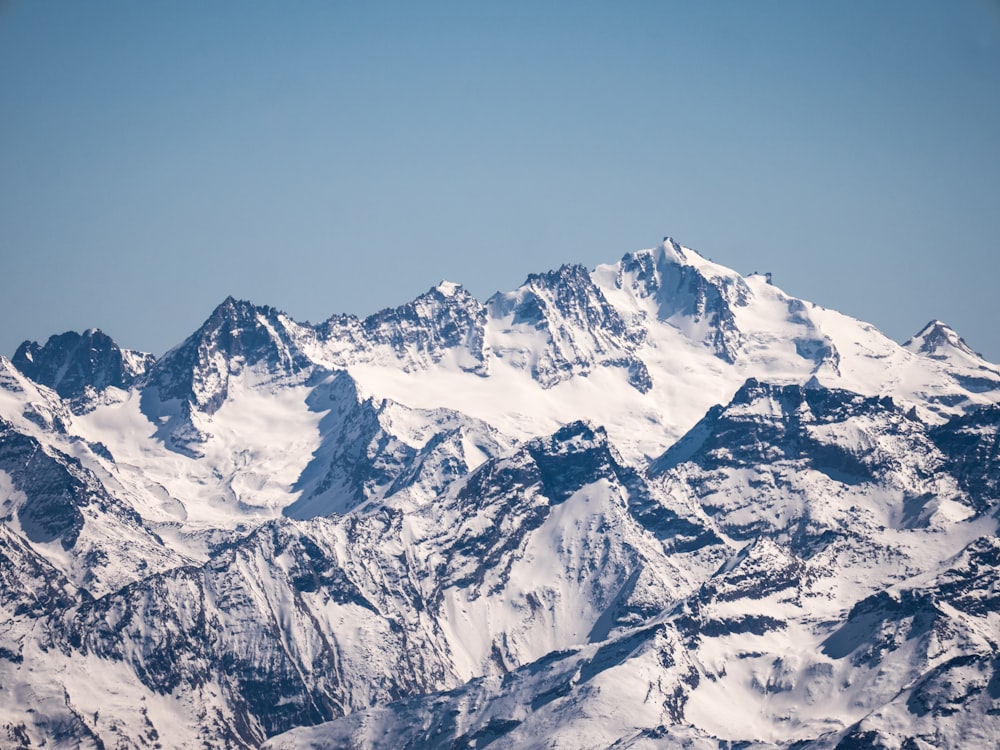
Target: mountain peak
{"x": 580, "y": 328}
{"x": 445, "y": 317}
{"x": 70, "y": 362}
{"x": 692, "y": 293}
{"x": 565, "y": 272}
{"x": 236, "y": 334}
{"x": 673, "y": 250}
{"x": 939, "y": 341}
{"x": 231, "y": 306}
{"x": 448, "y": 288}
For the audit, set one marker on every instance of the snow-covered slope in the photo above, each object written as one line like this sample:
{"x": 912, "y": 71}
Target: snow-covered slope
{"x": 590, "y": 510}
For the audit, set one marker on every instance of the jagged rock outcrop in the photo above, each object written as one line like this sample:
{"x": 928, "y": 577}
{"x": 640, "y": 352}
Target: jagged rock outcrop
{"x": 579, "y": 329}
{"x": 687, "y": 296}
{"x": 236, "y": 335}
{"x": 71, "y": 362}
{"x": 445, "y": 318}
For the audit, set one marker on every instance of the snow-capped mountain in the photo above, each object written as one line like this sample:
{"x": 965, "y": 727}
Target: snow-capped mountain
{"x": 589, "y": 511}
{"x": 72, "y": 363}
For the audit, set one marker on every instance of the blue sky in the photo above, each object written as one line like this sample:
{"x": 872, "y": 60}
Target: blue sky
{"x": 326, "y": 157}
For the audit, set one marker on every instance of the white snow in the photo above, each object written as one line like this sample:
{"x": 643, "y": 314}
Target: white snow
{"x": 552, "y": 591}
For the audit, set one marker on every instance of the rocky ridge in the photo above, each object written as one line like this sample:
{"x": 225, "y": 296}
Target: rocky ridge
{"x": 589, "y": 510}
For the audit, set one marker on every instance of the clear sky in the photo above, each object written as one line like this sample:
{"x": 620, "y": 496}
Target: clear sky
{"x": 326, "y": 157}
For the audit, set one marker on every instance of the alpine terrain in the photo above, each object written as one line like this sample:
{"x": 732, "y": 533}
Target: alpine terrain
{"x": 657, "y": 504}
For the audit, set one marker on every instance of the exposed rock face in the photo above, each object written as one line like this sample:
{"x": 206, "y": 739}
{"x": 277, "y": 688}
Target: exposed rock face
{"x": 71, "y": 362}
{"x": 236, "y": 335}
{"x": 687, "y": 296}
{"x": 444, "y": 318}
{"x": 579, "y": 328}
{"x": 939, "y": 341}
{"x": 972, "y": 444}
{"x": 52, "y": 492}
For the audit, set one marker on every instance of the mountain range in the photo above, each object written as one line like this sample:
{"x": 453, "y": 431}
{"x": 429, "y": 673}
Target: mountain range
{"x": 655, "y": 504}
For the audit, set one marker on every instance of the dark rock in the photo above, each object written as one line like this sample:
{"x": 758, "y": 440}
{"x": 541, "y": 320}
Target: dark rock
{"x": 71, "y": 362}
